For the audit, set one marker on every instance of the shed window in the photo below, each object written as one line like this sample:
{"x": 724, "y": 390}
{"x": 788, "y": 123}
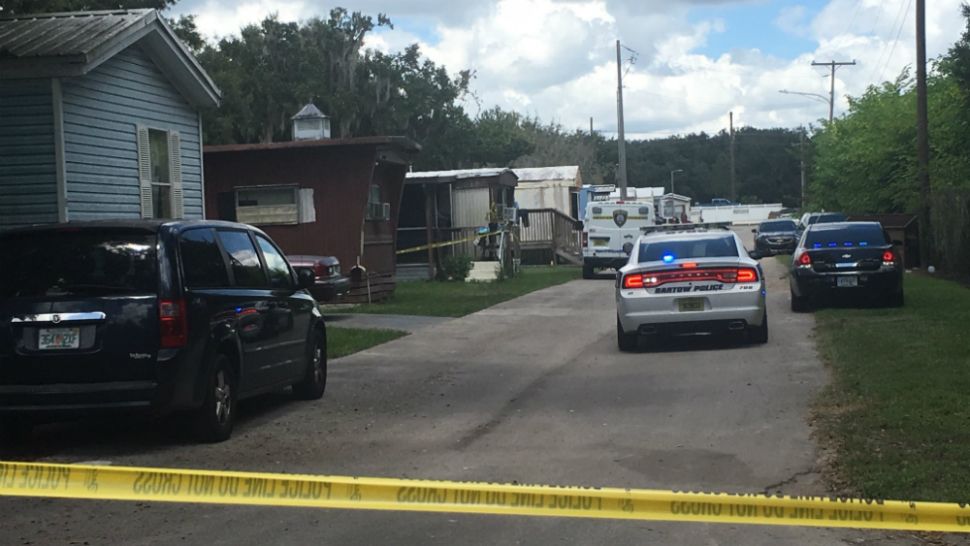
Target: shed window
{"x": 377, "y": 210}
{"x": 160, "y": 173}
{"x": 262, "y": 206}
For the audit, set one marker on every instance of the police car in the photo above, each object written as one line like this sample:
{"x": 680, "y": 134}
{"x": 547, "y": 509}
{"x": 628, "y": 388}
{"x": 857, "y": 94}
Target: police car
{"x": 691, "y": 279}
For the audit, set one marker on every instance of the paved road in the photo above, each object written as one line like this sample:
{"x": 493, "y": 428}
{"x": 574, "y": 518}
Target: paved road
{"x": 532, "y": 390}
{"x": 405, "y": 323}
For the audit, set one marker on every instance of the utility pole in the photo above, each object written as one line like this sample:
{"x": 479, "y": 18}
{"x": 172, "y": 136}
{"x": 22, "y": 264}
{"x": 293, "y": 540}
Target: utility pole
{"x": 922, "y": 136}
{"x": 621, "y": 169}
{"x": 801, "y": 149}
{"x": 733, "y": 188}
{"x": 591, "y": 133}
{"x": 833, "y": 65}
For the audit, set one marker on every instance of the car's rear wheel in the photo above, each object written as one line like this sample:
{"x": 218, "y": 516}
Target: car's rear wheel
{"x": 213, "y": 422}
{"x": 759, "y": 334}
{"x": 588, "y": 271}
{"x": 798, "y": 304}
{"x": 626, "y": 342}
{"x": 314, "y": 382}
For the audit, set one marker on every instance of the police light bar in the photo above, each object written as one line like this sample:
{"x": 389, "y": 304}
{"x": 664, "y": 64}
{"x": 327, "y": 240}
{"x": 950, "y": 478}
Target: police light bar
{"x": 685, "y": 227}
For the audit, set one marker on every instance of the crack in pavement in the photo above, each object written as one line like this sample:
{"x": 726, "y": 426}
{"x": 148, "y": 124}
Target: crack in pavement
{"x": 791, "y": 479}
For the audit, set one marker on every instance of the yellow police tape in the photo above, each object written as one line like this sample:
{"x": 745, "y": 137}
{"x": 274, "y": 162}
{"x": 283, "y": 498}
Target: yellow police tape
{"x": 446, "y": 243}
{"x": 259, "y": 489}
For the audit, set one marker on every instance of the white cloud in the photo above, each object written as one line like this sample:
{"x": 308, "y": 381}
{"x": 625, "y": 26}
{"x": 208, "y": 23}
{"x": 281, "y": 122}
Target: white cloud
{"x": 555, "y": 58}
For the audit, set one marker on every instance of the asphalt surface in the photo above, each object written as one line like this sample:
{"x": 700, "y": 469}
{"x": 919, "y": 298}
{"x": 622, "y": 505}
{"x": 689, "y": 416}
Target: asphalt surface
{"x": 404, "y": 323}
{"x": 532, "y": 390}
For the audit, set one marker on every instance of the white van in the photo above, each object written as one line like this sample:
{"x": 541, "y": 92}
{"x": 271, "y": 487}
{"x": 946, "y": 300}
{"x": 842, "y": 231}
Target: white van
{"x": 610, "y": 229}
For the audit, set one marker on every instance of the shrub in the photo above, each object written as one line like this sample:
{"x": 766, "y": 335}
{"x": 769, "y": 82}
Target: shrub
{"x": 455, "y": 268}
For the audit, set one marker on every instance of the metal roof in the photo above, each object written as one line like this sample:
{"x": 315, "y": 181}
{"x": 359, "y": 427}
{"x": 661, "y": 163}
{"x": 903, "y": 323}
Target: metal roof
{"x": 537, "y": 174}
{"x": 402, "y": 143}
{"x": 460, "y": 174}
{"x": 309, "y": 111}
{"x": 63, "y": 34}
{"x": 72, "y": 44}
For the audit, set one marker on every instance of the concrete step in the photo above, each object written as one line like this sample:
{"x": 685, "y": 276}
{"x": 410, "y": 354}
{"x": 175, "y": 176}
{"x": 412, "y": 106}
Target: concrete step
{"x": 483, "y": 272}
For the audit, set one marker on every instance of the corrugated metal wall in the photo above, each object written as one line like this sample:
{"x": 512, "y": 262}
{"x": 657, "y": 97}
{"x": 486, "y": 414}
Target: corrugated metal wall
{"x": 470, "y": 207}
{"x": 101, "y": 111}
{"x": 28, "y": 180}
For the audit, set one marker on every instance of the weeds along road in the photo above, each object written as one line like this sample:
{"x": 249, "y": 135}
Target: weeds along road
{"x": 532, "y": 390}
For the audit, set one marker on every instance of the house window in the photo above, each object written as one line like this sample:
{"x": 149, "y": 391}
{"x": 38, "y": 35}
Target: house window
{"x": 270, "y": 205}
{"x": 160, "y": 173}
{"x": 161, "y": 178}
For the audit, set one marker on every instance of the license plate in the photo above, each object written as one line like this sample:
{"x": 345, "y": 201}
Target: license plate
{"x": 692, "y": 304}
{"x": 847, "y": 282}
{"x": 601, "y": 242}
{"x": 59, "y": 338}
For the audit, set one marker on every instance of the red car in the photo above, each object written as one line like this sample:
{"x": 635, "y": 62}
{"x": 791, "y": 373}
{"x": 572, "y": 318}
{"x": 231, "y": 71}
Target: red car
{"x": 330, "y": 283}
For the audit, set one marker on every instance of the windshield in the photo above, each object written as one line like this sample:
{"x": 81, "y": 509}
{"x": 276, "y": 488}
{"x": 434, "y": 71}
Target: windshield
{"x": 850, "y": 236}
{"x": 780, "y": 225}
{"x": 60, "y": 263}
{"x": 708, "y": 247}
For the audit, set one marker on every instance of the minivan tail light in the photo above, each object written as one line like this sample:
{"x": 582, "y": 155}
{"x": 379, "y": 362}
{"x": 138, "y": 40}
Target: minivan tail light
{"x": 172, "y": 324}
{"x": 633, "y": 281}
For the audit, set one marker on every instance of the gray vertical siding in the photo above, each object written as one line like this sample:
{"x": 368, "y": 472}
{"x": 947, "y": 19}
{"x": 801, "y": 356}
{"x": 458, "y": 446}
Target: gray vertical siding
{"x": 101, "y": 112}
{"x": 28, "y": 179}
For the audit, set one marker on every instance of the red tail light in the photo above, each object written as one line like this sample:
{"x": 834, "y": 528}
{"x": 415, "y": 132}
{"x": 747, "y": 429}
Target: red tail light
{"x": 747, "y": 274}
{"x": 585, "y": 238}
{"x": 172, "y": 324}
{"x": 726, "y": 275}
{"x": 804, "y": 259}
{"x": 888, "y": 256}
{"x": 633, "y": 281}
{"x": 320, "y": 270}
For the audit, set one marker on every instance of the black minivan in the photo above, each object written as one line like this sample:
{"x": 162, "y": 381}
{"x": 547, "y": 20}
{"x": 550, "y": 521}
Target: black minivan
{"x": 155, "y": 316}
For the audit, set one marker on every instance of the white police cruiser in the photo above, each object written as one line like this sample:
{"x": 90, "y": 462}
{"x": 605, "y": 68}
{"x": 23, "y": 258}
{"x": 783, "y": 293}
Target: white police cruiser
{"x": 689, "y": 279}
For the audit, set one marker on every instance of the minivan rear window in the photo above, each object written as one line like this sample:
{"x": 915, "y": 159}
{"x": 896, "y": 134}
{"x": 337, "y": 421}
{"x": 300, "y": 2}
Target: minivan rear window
{"x": 713, "y": 247}
{"x": 850, "y": 236}
{"x": 77, "y": 262}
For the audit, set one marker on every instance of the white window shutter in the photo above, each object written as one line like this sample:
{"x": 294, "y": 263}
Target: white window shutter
{"x": 175, "y": 174}
{"x": 144, "y": 172}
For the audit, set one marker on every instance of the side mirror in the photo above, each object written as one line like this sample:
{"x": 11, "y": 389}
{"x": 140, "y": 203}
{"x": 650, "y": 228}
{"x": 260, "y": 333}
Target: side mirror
{"x": 755, "y": 254}
{"x": 305, "y": 277}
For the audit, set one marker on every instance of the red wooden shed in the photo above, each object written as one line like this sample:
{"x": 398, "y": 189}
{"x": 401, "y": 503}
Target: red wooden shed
{"x": 331, "y": 197}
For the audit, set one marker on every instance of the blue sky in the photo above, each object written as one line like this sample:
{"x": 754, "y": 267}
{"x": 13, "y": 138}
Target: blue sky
{"x": 752, "y": 25}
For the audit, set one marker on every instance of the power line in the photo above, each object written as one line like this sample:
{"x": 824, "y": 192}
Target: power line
{"x": 902, "y": 23}
{"x": 897, "y": 23}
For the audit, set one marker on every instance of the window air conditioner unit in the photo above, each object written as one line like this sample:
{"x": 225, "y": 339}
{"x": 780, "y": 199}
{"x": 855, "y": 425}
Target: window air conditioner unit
{"x": 509, "y": 214}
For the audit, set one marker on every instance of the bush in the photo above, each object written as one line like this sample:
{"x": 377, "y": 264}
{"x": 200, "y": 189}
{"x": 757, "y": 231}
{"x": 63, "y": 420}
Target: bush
{"x": 455, "y": 268}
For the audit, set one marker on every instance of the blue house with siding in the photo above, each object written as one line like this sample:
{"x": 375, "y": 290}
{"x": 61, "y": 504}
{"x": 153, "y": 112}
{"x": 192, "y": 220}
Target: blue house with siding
{"x": 99, "y": 118}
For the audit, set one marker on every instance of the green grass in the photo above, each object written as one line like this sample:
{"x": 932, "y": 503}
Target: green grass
{"x": 897, "y": 412}
{"x": 456, "y": 299}
{"x": 784, "y": 260}
{"x": 345, "y": 341}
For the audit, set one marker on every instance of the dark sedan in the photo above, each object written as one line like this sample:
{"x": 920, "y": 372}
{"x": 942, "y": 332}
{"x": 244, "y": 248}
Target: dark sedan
{"x": 776, "y": 237}
{"x": 842, "y": 259}
{"x": 330, "y": 282}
